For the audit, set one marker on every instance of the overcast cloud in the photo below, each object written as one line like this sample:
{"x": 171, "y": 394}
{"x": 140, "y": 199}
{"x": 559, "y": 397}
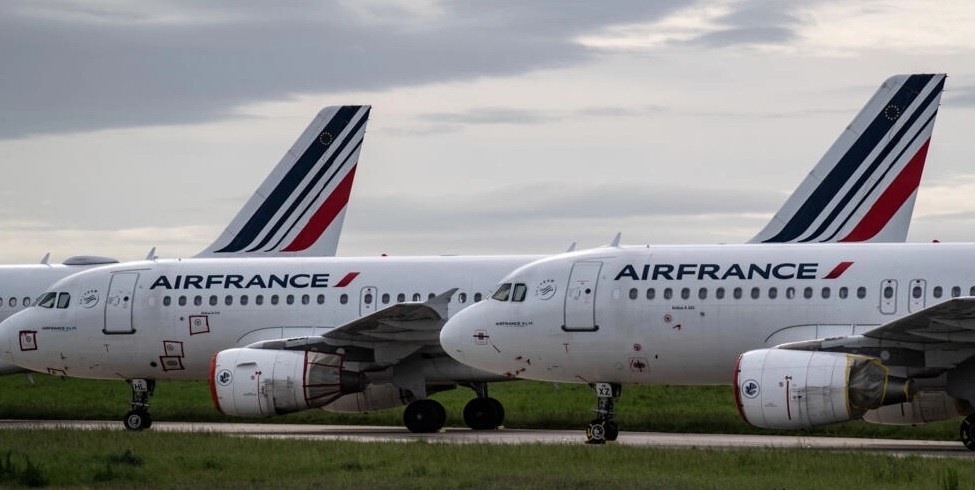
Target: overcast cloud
{"x": 497, "y": 127}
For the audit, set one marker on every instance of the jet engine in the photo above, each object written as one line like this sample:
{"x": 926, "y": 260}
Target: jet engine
{"x": 788, "y": 389}
{"x": 261, "y": 382}
{"x": 374, "y": 397}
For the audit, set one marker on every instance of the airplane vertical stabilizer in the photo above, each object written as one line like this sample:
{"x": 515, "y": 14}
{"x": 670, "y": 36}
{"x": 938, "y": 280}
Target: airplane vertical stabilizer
{"x": 300, "y": 207}
{"x": 864, "y": 187}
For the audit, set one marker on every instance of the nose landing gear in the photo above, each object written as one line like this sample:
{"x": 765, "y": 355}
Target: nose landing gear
{"x": 603, "y": 428}
{"x": 138, "y": 418}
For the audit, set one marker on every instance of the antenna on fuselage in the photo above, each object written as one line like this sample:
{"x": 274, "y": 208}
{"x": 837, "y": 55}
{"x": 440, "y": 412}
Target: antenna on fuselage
{"x": 47, "y": 257}
{"x": 572, "y": 248}
{"x": 152, "y": 254}
{"x": 616, "y": 239}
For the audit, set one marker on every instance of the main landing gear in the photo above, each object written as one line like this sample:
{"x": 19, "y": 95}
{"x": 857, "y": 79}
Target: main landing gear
{"x": 482, "y": 413}
{"x": 967, "y": 432}
{"x": 603, "y": 428}
{"x": 138, "y": 418}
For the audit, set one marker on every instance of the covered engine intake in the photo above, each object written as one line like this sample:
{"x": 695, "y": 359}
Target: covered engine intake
{"x": 788, "y": 389}
{"x": 261, "y": 382}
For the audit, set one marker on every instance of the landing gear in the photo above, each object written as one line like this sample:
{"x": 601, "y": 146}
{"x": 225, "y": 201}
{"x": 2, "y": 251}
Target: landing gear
{"x": 603, "y": 428}
{"x": 138, "y": 418}
{"x": 424, "y": 416}
{"x": 483, "y": 412}
{"x": 967, "y": 432}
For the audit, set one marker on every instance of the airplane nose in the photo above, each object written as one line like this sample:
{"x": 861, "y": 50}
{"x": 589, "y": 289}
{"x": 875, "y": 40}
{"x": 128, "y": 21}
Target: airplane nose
{"x": 453, "y": 336}
{"x": 7, "y": 345}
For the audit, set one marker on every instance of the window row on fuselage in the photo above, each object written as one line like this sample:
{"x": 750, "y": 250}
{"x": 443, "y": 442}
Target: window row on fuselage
{"x": 790, "y": 292}
{"x": 13, "y": 302}
{"x": 304, "y": 299}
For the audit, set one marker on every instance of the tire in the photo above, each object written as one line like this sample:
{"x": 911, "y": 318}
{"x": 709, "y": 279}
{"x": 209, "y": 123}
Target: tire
{"x": 596, "y": 433}
{"x": 137, "y": 420}
{"x": 482, "y": 414}
{"x": 424, "y": 416}
{"x": 612, "y": 430}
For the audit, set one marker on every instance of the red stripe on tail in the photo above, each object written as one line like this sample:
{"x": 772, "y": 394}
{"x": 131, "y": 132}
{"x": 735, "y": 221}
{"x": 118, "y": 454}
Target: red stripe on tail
{"x": 891, "y": 200}
{"x": 324, "y": 216}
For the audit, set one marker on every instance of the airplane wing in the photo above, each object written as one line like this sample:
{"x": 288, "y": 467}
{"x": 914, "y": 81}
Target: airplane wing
{"x": 952, "y": 321}
{"x": 384, "y": 337}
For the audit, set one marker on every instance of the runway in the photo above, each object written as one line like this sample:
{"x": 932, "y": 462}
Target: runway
{"x": 521, "y": 436}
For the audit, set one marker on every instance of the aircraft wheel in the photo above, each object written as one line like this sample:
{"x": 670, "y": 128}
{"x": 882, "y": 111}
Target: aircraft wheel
{"x": 612, "y": 430}
{"x": 482, "y": 414}
{"x": 596, "y": 433}
{"x": 967, "y": 432}
{"x": 137, "y": 420}
{"x": 424, "y": 416}
{"x": 499, "y": 409}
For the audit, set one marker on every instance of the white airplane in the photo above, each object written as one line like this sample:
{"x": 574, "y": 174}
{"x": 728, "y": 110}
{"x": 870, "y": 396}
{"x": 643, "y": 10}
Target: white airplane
{"x": 297, "y": 211}
{"x": 346, "y": 334}
{"x": 807, "y": 334}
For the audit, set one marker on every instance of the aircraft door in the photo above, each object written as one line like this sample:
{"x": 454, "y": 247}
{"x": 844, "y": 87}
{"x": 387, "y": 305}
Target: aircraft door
{"x": 367, "y": 300}
{"x": 888, "y": 297}
{"x": 580, "y": 297}
{"x": 118, "y": 304}
{"x": 918, "y": 293}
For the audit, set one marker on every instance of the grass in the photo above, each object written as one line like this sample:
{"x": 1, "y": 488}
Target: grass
{"x": 702, "y": 409}
{"x": 119, "y": 459}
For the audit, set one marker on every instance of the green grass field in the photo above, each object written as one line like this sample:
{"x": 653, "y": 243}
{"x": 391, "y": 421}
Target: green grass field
{"x": 703, "y": 409}
{"x": 119, "y": 459}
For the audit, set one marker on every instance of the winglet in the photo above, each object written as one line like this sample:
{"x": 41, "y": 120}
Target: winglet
{"x": 439, "y": 302}
{"x": 300, "y": 207}
{"x": 864, "y": 187}
{"x": 152, "y": 254}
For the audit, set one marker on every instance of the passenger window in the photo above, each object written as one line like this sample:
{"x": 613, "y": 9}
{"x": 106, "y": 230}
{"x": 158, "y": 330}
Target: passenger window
{"x": 305, "y": 299}
{"x": 651, "y": 293}
{"x": 416, "y": 297}
{"x": 64, "y": 299}
{"x": 807, "y": 293}
{"x": 719, "y": 293}
{"x": 702, "y": 293}
{"x": 888, "y": 292}
{"x": 244, "y": 300}
{"x": 274, "y": 299}
{"x": 344, "y": 299}
{"x": 321, "y": 299}
{"x": 773, "y": 293}
{"x": 13, "y": 302}
{"x": 259, "y": 299}
{"x": 197, "y": 300}
{"x": 501, "y": 294}
{"x": 668, "y": 293}
{"x": 971, "y": 291}
{"x": 955, "y": 291}
{"x": 861, "y": 292}
{"x": 431, "y": 296}
{"x": 634, "y": 294}
{"x": 182, "y": 301}
{"x": 400, "y": 298}
{"x": 685, "y": 293}
{"x": 938, "y": 291}
{"x": 477, "y": 297}
{"x": 844, "y": 292}
{"x": 916, "y": 292}
{"x": 790, "y": 292}
{"x": 213, "y": 300}
{"x": 385, "y": 298}
{"x": 26, "y": 301}
{"x": 756, "y": 292}
{"x": 736, "y": 293}
{"x": 825, "y": 292}
{"x": 228, "y": 300}
{"x": 290, "y": 299}
{"x": 462, "y": 297}
{"x": 46, "y": 301}
{"x": 167, "y": 301}
{"x": 367, "y": 299}
{"x": 521, "y": 291}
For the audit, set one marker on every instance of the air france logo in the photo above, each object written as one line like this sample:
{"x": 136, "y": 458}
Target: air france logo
{"x": 546, "y": 289}
{"x": 89, "y": 299}
{"x": 721, "y": 272}
{"x": 750, "y": 388}
{"x": 224, "y": 377}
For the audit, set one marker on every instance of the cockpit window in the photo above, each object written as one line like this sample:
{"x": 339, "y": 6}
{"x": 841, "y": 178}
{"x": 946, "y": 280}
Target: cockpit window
{"x": 47, "y": 300}
{"x": 64, "y": 299}
{"x": 519, "y": 293}
{"x": 502, "y": 293}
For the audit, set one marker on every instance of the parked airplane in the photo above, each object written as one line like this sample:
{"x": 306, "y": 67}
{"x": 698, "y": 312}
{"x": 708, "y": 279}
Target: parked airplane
{"x": 878, "y": 331}
{"x": 297, "y": 211}
{"x": 344, "y": 334}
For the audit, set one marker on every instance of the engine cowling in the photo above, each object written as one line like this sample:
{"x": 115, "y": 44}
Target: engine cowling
{"x": 374, "y": 397}
{"x": 788, "y": 389}
{"x": 261, "y": 382}
{"x": 925, "y": 408}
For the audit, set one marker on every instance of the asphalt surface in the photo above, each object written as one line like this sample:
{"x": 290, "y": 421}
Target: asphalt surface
{"x": 523, "y": 436}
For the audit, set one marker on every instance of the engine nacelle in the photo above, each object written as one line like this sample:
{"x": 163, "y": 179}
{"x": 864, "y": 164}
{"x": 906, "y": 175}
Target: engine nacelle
{"x": 789, "y": 389}
{"x": 925, "y": 408}
{"x": 261, "y": 382}
{"x": 374, "y": 397}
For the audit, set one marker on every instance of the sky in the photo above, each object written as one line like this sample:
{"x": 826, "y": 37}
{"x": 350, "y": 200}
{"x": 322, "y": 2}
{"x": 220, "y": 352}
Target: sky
{"x": 497, "y": 127}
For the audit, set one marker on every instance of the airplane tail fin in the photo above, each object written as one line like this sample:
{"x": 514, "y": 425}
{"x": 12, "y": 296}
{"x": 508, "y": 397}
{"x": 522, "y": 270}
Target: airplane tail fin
{"x": 300, "y": 207}
{"x": 864, "y": 187}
